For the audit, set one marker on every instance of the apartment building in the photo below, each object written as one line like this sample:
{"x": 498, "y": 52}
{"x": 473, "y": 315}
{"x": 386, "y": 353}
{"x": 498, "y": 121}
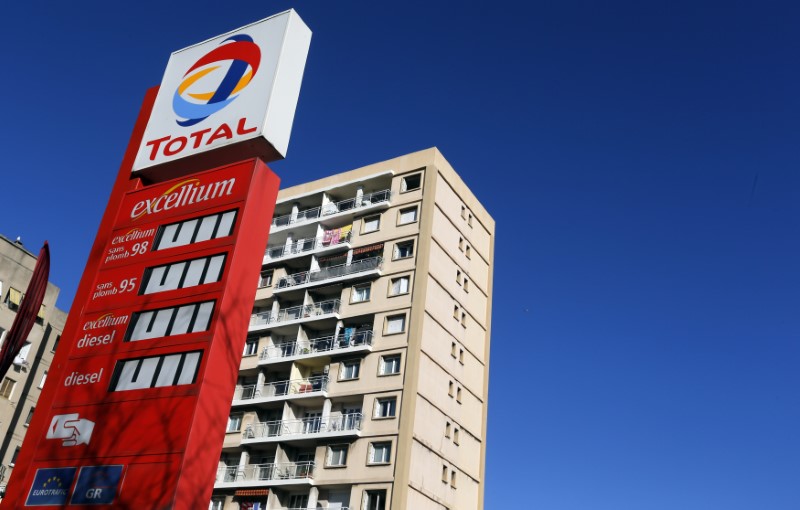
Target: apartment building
{"x": 20, "y": 388}
{"x": 364, "y": 380}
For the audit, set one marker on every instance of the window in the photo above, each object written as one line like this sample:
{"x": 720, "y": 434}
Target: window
{"x": 447, "y": 429}
{"x": 455, "y": 435}
{"x": 194, "y": 230}
{"x": 217, "y": 503}
{"x": 350, "y": 370}
{"x": 458, "y": 394}
{"x": 234, "y": 423}
{"x": 14, "y": 456}
{"x": 44, "y": 378}
{"x": 464, "y": 319}
{"x": 450, "y": 388}
{"x": 250, "y": 347}
{"x": 390, "y": 364}
{"x": 410, "y": 183}
{"x": 461, "y": 243}
{"x": 360, "y": 293}
{"x": 455, "y": 312}
{"x": 466, "y": 284}
{"x": 399, "y": 285}
{"x": 404, "y": 250}
{"x": 337, "y": 455}
{"x": 468, "y": 252}
{"x": 453, "y": 478}
{"x": 7, "y": 388}
{"x": 380, "y": 453}
{"x": 461, "y": 356}
{"x": 464, "y": 212}
{"x": 407, "y": 215}
{"x": 453, "y": 349}
{"x": 458, "y": 276}
{"x": 266, "y": 279}
{"x": 22, "y": 356}
{"x": 469, "y": 219}
{"x": 55, "y": 344}
{"x": 371, "y": 223}
{"x": 395, "y": 324}
{"x": 444, "y": 473}
{"x": 375, "y": 500}
{"x": 40, "y": 315}
{"x": 156, "y": 371}
{"x": 30, "y": 416}
{"x": 386, "y": 407}
{"x": 13, "y": 299}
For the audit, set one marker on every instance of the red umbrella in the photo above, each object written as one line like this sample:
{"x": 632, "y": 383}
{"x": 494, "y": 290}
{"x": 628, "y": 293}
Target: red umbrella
{"x": 28, "y": 311}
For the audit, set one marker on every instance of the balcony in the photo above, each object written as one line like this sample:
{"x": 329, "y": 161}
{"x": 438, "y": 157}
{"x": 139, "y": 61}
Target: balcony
{"x": 329, "y": 274}
{"x": 295, "y": 314}
{"x": 349, "y": 206}
{"x": 336, "y": 425}
{"x": 281, "y": 390}
{"x": 333, "y": 344}
{"x": 285, "y": 473}
{"x": 307, "y": 245}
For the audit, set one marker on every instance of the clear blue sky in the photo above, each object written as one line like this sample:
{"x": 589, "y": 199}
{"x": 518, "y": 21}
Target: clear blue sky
{"x": 641, "y": 162}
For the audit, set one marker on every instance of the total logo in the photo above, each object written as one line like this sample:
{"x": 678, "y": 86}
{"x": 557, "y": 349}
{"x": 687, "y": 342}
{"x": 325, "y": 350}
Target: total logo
{"x": 216, "y": 79}
{"x": 72, "y": 429}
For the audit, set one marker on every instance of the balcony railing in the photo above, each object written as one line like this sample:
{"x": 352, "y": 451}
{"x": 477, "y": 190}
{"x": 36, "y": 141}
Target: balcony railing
{"x": 327, "y": 273}
{"x": 366, "y": 200}
{"x": 350, "y": 422}
{"x": 295, "y": 312}
{"x": 266, "y": 472}
{"x": 317, "y": 345}
{"x": 282, "y": 388}
{"x": 305, "y": 245}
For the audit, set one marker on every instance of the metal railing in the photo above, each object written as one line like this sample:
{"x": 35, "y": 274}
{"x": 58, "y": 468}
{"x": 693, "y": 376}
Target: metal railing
{"x": 327, "y": 273}
{"x": 316, "y": 345}
{"x": 282, "y": 388}
{"x": 295, "y": 312}
{"x": 365, "y": 200}
{"x": 304, "y": 426}
{"x": 264, "y": 472}
{"x": 304, "y": 245}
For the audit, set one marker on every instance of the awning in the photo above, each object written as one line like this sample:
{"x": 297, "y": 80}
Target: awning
{"x": 333, "y": 257}
{"x": 252, "y": 492}
{"x": 365, "y": 249}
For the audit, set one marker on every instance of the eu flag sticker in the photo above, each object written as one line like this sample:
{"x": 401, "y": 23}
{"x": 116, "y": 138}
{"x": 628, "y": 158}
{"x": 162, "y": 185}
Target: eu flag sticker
{"x": 97, "y": 485}
{"x": 50, "y": 486}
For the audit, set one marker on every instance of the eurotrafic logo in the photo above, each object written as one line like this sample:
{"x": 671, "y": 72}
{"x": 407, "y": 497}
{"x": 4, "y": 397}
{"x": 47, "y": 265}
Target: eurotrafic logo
{"x": 216, "y": 79}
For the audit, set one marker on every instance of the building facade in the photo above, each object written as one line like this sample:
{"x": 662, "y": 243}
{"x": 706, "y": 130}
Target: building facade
{"x": 364, "y": 380}
{"x": 20, "y": 388}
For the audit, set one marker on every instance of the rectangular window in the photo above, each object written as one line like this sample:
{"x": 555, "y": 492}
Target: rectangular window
{"x": 469, "y": 219}
{"x": 450, "y": 388}
{"x": 404, "y": 250}
{"x": 156, "y": 371}
{"x": 390, "y": 364}
{"x": 22, "y": 356}
{"x": 234, "y": 423}
{"x": 453, "y": 478}
{"x": 349, "y": 370}
{"x": 337, "y": 455}
{"x": 464, "y": 319}
{"x": 458, "y": 394}
{"x": 399, "y": 285}
{"x": 195, "y": 230}
{"x": 30, "y": 416}
{"x": 217, "y": 503}
{"x": 266, "y": 279}
{"x": 375, "y": 500}
{"x": 407, "y": 215}
{"x": 447, "y": 429}
{"x": 464, "y": 212}
{"x": 183, "y": 274}
{"x": 371, "y": 224}
{"x": 44, "y": 378}
{"x": 444, "y": 473}
{"x": 7, "y": 387}
{"x": 461, "y": 356}
{"x": 455, "y": 435}
{"x": 13, "y": 299}
{"x": 386, "y": 407}
{"x": 466, "y": 284}
{"x": 410, "y": 183}
{"x": 468, "y": 252}
{"x": 55, "y": 344}
{"x": 250, "y": 347}
{"x": 14, "y": 456}
{"x": 458, "y": 276}
{"x": 453, "y": 349}
{"x": 395, "y": 324}
{"x": 361, "y": 293}
{"x": 380, "y": 453}
{"x": 179, "y": 320}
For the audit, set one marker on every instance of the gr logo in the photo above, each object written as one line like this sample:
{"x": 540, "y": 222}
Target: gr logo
{"x": 97, "y": 485}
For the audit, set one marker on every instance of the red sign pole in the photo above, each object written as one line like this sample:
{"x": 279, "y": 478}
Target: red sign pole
{"x": 135, "y": 406}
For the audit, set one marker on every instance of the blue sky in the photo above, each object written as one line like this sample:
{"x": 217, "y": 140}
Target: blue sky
{"x": 641, "y": 162}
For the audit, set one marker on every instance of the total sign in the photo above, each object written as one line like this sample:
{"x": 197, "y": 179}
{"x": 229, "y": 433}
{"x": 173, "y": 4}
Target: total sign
{"x": 239, "y": 87}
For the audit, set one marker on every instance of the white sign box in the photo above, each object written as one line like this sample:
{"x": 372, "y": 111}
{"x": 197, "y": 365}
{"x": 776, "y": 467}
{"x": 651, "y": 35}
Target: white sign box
{"x": 239, "y": 87}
